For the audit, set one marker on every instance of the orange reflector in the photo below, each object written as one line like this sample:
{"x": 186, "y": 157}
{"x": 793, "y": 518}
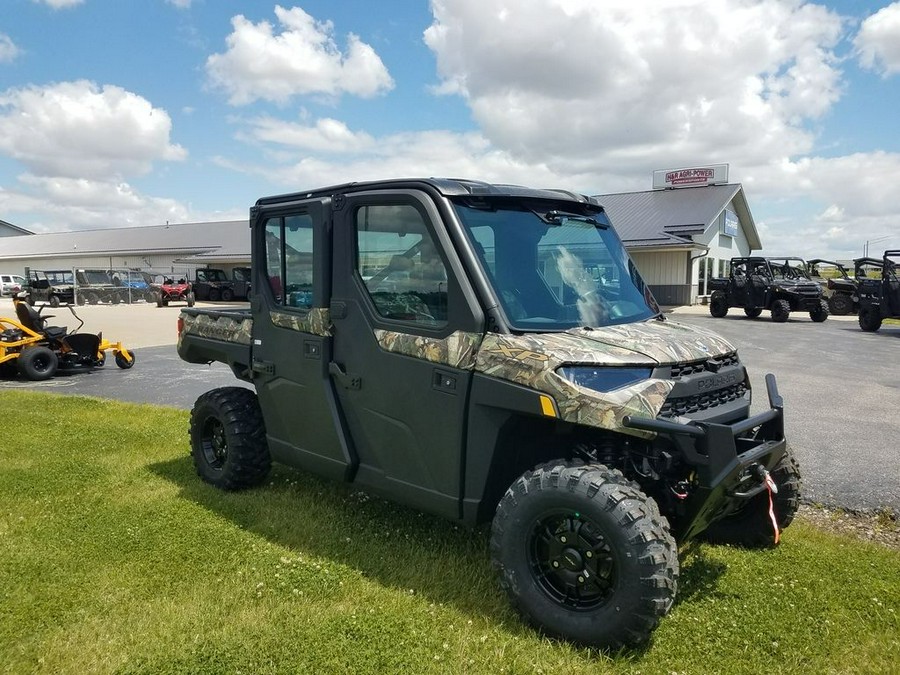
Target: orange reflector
{"x": 547, "y": 406}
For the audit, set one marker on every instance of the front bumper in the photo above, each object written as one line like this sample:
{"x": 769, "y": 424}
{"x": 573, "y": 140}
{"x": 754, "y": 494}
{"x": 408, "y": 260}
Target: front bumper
{"x": 727, "y": 459}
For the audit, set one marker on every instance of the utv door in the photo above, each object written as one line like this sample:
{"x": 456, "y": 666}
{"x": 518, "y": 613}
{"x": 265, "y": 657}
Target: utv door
{"x": 406, "y": 329}
{"x": 292, "y": 338}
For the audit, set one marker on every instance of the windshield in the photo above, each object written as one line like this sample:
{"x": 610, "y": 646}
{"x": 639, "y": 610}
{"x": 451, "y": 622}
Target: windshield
{"x": 788, "y": 268}
{"x": 554, "y": 270}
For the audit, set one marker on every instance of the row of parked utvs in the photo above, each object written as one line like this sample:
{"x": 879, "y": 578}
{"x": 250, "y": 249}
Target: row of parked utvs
{"x": 785, "y": 285}
{"x": 36, "y": 351}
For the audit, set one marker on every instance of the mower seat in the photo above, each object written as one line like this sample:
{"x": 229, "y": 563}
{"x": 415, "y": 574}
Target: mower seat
{"x": 32, "y": 320}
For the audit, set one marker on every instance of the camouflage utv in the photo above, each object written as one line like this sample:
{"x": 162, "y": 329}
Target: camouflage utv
{"x": 490, "y": 353}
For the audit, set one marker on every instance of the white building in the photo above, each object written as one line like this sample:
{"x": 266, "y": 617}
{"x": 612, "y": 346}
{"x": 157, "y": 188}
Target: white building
{"x": 681, "y": 236}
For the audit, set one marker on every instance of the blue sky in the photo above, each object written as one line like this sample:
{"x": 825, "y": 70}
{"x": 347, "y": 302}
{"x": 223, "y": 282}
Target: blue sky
{"x": 120, "y": 113}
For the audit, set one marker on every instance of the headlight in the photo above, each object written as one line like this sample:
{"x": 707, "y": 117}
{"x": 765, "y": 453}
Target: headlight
{"x": 603, "y": 379}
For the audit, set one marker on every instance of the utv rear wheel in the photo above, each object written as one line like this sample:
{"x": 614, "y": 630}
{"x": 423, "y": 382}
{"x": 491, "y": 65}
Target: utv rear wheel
{"x": 869, "y": 319}
{"x": 752, "y": 312}
{"x": 840, "y": 304}
{"x": 781, "y": 311}
{"x": 227, "y": 295}
{"x": 820, "y": 313}
{"x": 228, "y": 439}
{"x": 751, "y": 527}
{"x": 213, "y": 294}
{"x": 718, "y": 304}
{"x": 38, "y": 363}
{"x": 584, "y": 555}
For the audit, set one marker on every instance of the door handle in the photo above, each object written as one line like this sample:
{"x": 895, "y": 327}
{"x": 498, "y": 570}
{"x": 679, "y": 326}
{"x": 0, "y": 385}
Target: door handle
{"x": 345, "y": 379}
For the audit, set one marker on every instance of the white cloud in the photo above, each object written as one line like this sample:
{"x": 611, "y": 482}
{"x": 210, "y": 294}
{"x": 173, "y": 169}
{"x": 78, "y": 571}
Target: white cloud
{"x": 878, "y": 40}
{"x": 61, "y": 204}
{"x": 301, "y": 59}
{"x": 79, "y": 130}
{"x": 634, "y": 85}
{"x": 58, "y": 4}
{"x": 8, "y": 49}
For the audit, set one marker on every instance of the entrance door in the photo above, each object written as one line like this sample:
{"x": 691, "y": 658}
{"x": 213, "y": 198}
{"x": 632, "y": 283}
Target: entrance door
{"x": 292, "y": 338}
{"x": 405, "y": 331}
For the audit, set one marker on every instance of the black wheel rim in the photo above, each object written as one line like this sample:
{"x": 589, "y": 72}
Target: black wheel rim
{"x": 41, "y": 363}
{"x": 213, "y": 443}
{"x": 572, "y": 561}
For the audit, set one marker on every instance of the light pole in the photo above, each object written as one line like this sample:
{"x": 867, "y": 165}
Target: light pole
{"x": 874, "y": 241}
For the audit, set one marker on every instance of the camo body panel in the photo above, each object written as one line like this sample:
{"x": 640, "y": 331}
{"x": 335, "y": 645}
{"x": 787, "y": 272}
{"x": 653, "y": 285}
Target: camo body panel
{"x": 532, "y": 360}
{"x": 218, "y": 327}
{"x": 665, "y": 343}
{"x": 316, "y": 321}
{"x": 458, "y": 350}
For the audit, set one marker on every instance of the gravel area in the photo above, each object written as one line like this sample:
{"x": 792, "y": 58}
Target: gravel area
{"x": 877, "y": 527}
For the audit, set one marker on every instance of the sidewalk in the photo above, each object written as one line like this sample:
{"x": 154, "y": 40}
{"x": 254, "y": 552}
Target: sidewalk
{"x": 135, "y": 326}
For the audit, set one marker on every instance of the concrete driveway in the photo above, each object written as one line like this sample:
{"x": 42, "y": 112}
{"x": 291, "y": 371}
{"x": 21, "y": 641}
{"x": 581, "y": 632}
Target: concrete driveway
{"x": 841, "y": 387}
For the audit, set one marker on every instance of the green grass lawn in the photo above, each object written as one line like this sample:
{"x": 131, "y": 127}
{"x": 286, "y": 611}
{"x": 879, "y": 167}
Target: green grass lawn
{"x": 114, "y": 557}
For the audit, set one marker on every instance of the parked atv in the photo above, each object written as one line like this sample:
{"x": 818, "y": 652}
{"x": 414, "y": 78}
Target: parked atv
{"x": 839, "y": 291}
{"x": 172, "y": 291}
{"x": 40, "y": 351}
{"x": 879, "y": 299}
{"x": 780, "y": 285}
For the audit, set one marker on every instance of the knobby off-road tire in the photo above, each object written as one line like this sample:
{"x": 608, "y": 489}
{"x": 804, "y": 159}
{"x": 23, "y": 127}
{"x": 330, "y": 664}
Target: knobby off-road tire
{"x": 820, "y": 313}
{"x": 781, "y": 311}
{"x": 584, "y": 555}
{"x": 869, "y": 319}
{"x": 228, "y": 439}
{"x": 840, "y": 304}
{"x": 214, "y": 295}
{"x": 37, "y": 363}
{"x": 751, "y": 527}
{"x": 718, "y": 304}
{"x": 227, "y": 295}
{"x": 752, "y": 312}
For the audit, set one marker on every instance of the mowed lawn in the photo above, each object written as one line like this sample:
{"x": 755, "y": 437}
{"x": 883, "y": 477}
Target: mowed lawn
{"x": 114, "y": 557}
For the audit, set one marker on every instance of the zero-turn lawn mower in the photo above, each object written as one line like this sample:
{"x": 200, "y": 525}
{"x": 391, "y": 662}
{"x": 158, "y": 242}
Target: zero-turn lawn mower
{"x": 38, "y": 351}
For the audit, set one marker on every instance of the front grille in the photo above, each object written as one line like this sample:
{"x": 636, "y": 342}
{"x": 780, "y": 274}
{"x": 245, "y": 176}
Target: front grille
{"x": 707, "y": 365}
{"x": 687, "y": 405}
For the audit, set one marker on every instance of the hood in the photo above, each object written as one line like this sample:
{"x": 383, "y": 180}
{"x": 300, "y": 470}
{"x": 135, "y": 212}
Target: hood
{"x": 665, "y": 342}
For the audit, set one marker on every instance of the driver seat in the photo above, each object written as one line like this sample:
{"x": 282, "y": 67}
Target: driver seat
{"x": 30, "y": 318}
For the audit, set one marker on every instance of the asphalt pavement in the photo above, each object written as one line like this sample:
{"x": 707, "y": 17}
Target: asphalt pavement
{"x": 841, "y": 388}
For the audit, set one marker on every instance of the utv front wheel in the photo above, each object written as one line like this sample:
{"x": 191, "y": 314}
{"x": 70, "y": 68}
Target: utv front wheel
{"x": 584, "y": 555}
{"x": 869, "y": 319}
{"x": 228, "y": 439}
{"x": 751, "y": 526}
{"x": 781, "y": 311}
{"x": 820, "y": 313}
{"x": 718, "y": 305}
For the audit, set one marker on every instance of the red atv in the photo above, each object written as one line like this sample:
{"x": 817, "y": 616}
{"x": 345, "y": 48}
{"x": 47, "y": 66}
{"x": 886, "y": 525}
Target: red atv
{"x": 171, "y": 291}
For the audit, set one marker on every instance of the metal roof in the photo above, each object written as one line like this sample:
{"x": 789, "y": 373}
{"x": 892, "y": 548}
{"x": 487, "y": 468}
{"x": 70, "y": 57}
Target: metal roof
{"x": 227, "y": 238}
{"x": 10, "y": 230}
{"x": 669, "y": 217}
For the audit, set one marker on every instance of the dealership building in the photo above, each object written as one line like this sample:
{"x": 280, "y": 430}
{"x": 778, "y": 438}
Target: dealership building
{"x": 680, "y": 233}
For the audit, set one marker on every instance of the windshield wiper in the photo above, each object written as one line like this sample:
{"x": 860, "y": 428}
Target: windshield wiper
{"x": 560, "y": 217}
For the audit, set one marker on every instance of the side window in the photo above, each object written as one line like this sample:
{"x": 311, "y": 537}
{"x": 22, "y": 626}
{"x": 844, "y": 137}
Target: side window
{"x": 289, "y": 259}
{"x": 399, "y": 264}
